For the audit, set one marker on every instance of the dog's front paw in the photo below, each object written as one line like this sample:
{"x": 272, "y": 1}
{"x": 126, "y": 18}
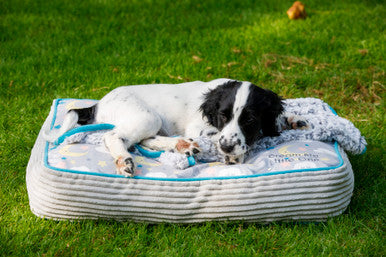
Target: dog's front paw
{"x": 234, "y": 159}
{"x": 187, "y": 146}
{"x": 125, "y": 166}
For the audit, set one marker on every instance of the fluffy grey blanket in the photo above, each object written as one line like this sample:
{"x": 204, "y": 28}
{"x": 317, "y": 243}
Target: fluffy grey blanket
{"x": 325, "y": 126}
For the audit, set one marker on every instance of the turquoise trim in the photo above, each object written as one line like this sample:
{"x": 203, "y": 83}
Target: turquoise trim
{"x": 336, "y": 147}
{"x": 148, "y": 153}
{"x": 84, "y": 128}
{"x": 55, "y": 111}
{"x": 96, "y": 127}
{"x": 156, "y": 154}
{"x": 76, "y": 171}
{"x": 191, "y": 161}
{"x": 364, "y": 151}
{"x": 249, "y": 176}
{"x": 106, "y": 126}
{"x": 194, "y": 179}
{"x": 332, "y": 110}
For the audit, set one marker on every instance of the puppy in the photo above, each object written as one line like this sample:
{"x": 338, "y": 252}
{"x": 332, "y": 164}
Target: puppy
{"x": 234, "y": 114}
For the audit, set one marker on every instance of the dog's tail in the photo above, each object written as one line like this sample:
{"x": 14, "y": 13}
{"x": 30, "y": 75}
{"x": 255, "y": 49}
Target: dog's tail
{"x": 73, "y": 118}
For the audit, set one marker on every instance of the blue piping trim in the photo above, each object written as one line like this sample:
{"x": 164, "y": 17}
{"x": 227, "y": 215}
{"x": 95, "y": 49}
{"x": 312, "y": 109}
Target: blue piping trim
{"x": 84, "y": 128}
{"x": 55, "y": 111}
{"x": 340, "y": 164}
{"x": 76, "y": 171}
{"x": 191, "y": 161}
{"x": 103, "y": 126}
{"x": 148, "y": 153}
{"x": 156, "y": 154}
{"x": 332, "y": 110}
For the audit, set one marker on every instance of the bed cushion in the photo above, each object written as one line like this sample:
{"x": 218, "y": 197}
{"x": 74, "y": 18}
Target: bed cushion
{"x": 302, "y": 180}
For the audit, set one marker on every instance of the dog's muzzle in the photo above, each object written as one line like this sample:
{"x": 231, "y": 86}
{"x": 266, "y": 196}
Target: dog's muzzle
{"x": 232, "y": 146}
{"x": 227, "y": 148}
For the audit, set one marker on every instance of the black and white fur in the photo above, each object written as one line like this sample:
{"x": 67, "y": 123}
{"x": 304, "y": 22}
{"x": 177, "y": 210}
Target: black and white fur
{"x": 233, "y": 113}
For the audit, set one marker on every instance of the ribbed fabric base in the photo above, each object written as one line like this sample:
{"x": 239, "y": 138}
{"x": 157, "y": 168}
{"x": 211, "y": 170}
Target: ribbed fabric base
{"x": 299, "y": 196}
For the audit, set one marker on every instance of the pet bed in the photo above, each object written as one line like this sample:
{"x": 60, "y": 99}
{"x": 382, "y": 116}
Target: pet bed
{"x": 293, "y": 177}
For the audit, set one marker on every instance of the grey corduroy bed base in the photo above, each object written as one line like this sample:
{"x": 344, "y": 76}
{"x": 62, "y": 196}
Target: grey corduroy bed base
{"x": 293, "y": 196}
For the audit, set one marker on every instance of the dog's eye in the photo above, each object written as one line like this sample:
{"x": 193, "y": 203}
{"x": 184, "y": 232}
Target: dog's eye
{"x": 223, "y": 117}
{"x": 250, "y": 120}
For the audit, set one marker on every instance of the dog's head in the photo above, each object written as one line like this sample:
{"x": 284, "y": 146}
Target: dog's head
{"x": 242, "y": 112}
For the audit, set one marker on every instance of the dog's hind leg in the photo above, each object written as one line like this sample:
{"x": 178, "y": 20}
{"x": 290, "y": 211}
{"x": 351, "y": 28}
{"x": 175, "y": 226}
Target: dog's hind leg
{"x": 119, "y": 140}
{"x": 134, "y": 121}
{"x": 118, "y": 149}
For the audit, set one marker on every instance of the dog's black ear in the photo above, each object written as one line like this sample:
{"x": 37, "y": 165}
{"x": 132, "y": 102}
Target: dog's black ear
{"x": 273, "y": 107}
{"x": 210, "y": 106}
{"x": 221, "y": 97}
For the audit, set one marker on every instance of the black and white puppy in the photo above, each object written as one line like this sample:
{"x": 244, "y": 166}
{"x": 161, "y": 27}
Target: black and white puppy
{"x": 233, "y": 113}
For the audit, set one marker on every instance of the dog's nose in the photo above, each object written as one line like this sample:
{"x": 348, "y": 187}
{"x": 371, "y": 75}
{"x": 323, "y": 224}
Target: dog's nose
{"x": 227, "y": 148}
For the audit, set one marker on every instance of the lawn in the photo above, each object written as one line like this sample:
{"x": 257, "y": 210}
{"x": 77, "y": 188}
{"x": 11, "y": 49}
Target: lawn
{"x": 83, "y": 49}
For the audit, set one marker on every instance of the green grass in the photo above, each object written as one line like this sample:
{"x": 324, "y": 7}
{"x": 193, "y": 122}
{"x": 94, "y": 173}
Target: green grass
{"x": 83, "y": 49}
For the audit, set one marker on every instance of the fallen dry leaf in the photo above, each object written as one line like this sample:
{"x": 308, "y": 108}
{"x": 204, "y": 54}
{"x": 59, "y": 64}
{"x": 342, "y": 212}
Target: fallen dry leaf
{"x": 363, "y": 52}
{"x": 317, "y": 92}
{"x": 99, "y": 88}
{"x": 175, "y": 77}
{"x": 229, "y": 64}
{"x": 297, "y": 11}
{"x": 236, "y": 50}
{"x": 197, "y": 59}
